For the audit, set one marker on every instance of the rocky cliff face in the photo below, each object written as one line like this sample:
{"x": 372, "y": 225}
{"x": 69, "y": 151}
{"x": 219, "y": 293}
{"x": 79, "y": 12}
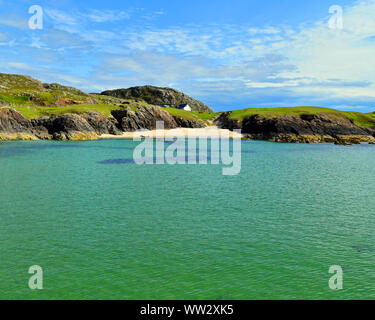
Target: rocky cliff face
{"x": 143, "y": 118}
{"x": 14, "y": 126}
{"x": 88, "y": 126}
{"x": 146, "y": 118}
{"x": 307, "y": 128}
{"x": 157, "y": 95}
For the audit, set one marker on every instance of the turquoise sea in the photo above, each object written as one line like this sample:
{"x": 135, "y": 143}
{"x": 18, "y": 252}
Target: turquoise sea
{"x": 102, "y": 227}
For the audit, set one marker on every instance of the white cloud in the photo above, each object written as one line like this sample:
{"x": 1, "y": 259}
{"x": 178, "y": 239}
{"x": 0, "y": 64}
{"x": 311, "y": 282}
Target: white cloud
{"x": 14, "y": 21}
{"x": 322, "y": 53}
{"x": 60, "y": 17}
{"x": 267, "y": 30}
{"x": 106, "y": 15}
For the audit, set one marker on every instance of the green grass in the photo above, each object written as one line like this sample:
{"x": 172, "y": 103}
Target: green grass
{"x": 206, "y": 115}
{"x": 276, "y": 112}
{"x": 30, "y": 111}
{"x": 35, "y": 112}
{"x": 366, "y": 120}
{"x": 14, "y": 100}
{"x": 187, "y": 115}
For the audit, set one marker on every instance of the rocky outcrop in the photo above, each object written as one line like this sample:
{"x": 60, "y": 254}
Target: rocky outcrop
{"x": 146, "y": 118}
{"x": 143, "y": 118}
{"x": 307, "y": 128}
{"x": 226, "y": 122}
{"x": 87, "y": 126}
{"x": 14, "y": 126}
{"x": 187, "y": 123}
{"x": 12, "y": 121}
{"x": 157, "y": 95}
{"x": 67, "y": 127}
{"x": 102, "y": 124}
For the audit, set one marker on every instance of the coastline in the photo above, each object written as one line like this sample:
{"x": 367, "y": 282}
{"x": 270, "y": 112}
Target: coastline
{"x": 143, "y": 123}
{"x": 209, "y": 132}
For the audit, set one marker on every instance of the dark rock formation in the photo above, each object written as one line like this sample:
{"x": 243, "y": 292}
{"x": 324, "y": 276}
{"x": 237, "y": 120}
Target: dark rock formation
{"x": 11, "y": 121}
{"x": 224, "y": 121}
{"x": 101, "y": 124}
{"x": 146, "y": 118}
{"x": 142, "y": 118}
{"x": 307, "y": 128}
{"x": 321, "y": 124}
{"x": 186, "y": 123}
{"x": 88, "y": 126}
{"x": 14, "y": 126}
{"x": 157, "y": 95}
{"x": 67, "y": 127}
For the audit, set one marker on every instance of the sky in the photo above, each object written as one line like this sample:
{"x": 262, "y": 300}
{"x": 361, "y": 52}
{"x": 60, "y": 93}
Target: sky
{"x": 229, "y": 54}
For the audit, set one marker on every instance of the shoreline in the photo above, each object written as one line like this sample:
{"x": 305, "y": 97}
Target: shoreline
{"x": 207, "y": 132}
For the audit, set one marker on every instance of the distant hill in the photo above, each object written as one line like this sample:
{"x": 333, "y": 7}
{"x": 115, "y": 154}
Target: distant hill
{"x": 20, "y": 90}
{"x": 158, "y": 95}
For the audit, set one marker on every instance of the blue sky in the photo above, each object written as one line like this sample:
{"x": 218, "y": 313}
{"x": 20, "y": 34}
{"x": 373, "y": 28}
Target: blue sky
{"x": 229, "y": 54}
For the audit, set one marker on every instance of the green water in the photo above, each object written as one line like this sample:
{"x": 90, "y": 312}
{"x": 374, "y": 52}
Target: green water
{"x": 116, "y": 230}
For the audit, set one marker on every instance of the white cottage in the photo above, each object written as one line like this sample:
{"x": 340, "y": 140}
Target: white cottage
{"x": 185, "y": 107}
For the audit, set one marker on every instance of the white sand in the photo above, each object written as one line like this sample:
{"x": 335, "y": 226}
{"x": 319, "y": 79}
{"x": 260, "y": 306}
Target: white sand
{"x": 209, "y": 132}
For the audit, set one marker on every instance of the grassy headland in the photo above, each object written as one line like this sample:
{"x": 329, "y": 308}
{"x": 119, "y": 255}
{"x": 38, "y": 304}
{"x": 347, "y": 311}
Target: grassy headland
{"x": 366, "y": 120}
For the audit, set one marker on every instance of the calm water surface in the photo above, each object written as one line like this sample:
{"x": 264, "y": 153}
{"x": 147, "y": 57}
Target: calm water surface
{"x": 104, "y": 228}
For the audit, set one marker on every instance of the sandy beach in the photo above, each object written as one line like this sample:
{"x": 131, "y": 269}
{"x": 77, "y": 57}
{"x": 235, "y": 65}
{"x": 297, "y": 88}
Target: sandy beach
{"x": 209, "y": 132}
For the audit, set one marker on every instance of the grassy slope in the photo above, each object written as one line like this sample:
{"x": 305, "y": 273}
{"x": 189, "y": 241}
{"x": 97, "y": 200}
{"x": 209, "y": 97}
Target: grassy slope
{"x": 36, "y": 111}
{"x": 30, "y": 111}
{"x": 191, "y": 115}
{"x": 22, "y": 90}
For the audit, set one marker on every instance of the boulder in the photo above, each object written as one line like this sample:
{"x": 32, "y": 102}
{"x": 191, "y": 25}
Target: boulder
{"x": 101, "y": 124}
{"x": 143, "y": 118}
